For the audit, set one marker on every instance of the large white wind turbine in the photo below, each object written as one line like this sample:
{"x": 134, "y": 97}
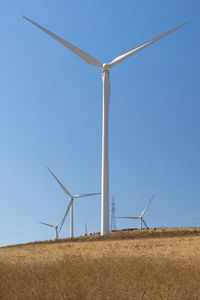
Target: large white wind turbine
{"x": 70, "y": 204}
{"x": 141, "y": 216}
{"x": 105, "y": 68}
{"x": 53, "y": 226}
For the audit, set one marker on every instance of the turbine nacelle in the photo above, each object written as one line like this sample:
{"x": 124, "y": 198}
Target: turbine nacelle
{"x": 105, "y": 67}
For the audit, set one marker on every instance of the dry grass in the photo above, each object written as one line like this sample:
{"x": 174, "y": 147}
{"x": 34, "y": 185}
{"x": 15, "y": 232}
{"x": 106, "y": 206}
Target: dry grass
{"x": 128, "y": 265}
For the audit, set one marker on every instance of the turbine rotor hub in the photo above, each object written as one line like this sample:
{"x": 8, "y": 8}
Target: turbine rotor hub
{"x": 105, "y": 68}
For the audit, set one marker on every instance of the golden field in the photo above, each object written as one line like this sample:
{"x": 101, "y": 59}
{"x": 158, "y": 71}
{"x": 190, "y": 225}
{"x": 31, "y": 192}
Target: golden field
{"x": 139, "y": 264}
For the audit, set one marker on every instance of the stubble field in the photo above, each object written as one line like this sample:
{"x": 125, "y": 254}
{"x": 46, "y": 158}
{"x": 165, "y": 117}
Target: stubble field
{"x": 138, "y": 264}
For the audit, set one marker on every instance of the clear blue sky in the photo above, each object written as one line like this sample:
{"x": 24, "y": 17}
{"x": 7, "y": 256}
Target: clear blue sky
{"x": 51, "y": 108}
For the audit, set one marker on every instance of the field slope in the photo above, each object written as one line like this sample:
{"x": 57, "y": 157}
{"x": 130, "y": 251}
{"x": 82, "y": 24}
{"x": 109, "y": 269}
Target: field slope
{"x": 132, "y": 264}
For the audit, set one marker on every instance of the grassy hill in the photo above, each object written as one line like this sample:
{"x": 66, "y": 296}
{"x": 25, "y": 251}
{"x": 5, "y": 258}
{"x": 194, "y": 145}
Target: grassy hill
{"x": 130, "y": 264}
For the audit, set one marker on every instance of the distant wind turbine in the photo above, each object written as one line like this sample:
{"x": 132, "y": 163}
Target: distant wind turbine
{"x": 53, "y": 226}
{"x": 70, "y": 204}
{"x": 105, "y": 68}
{"x": 141, "y": 216}
{"x": 86, "y": 229}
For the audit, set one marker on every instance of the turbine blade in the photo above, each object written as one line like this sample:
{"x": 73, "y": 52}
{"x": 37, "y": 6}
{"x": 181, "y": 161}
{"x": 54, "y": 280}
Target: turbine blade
{"x": 128, "y": 217}
{"x": 57, "y": 224}
{"x": 85, "y": 195}
{"x": 88, "y": 58}
{"x": 133, "y": 51}
{"x": 47, "y": 224}
{"x": 61, "y": 185}
{"x": 147, "y": 206}
{"x": 144, "y": 223}
{"x": 66, "y": 213}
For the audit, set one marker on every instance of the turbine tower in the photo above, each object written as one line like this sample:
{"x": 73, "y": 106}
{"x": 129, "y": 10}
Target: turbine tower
{"x": 70, "y": 204}
{"x": 105, "y": 68}
{"x": 141, "y": 216}
{"x": 53, "y": 226}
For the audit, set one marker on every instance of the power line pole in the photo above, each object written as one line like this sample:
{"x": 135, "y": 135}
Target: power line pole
{"x": 113, "y": 224}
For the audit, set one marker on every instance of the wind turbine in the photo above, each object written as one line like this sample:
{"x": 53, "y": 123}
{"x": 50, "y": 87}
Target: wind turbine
{"x": 141, "y": 216}
{"x": 86, "y": 229}
{"x": 54, "y": 226}
{"x": 70, "y": 204}
{"x": 105, "y": 68}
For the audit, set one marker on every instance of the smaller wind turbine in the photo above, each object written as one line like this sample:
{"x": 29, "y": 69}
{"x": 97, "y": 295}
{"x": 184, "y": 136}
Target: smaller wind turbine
{"x": 141, "y": 216}
{"x": 70, "y": 204}
{"x": 53, "y": 226}
{"x": 86, "y": 229}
